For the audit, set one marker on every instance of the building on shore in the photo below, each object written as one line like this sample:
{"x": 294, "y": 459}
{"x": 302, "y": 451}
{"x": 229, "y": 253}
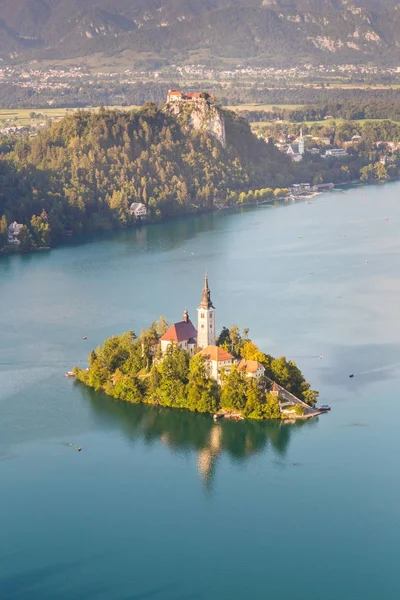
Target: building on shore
{"x": 14, "y": 229}
{"x": 138, "y": 210}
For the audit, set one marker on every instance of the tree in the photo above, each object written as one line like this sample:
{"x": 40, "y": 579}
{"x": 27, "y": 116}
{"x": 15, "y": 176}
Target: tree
{"x": 3, "y": 231}
{"x": 250, "y": 351}
{"x": 254, "y": 397}
{"x": 202, "y": 392}
{"x": 160, "y": 326}
{"x": 235, "y": 337}
{"x": 40, "y": 230}
{"x": 25, "y": 238}
{"x": 233, "y": 393}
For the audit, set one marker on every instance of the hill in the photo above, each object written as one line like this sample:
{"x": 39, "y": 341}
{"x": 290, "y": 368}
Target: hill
{"x": 261, "y": 32}
{"x": 82, "y": 173}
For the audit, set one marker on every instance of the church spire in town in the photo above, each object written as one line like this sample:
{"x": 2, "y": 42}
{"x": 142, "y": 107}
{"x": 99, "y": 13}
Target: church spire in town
{"x": 301, "y": 142}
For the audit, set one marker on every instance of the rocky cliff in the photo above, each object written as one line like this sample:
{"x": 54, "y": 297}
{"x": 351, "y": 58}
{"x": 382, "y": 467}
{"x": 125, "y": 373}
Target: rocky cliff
{"x": 201, "y": 115}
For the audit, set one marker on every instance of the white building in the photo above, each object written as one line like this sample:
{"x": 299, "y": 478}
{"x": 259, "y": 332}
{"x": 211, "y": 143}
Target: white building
{"x": 138, "y": 210}
{"x": 301, "y": 143}
{"x": 206, "y": 319}
{"x": 336, "y": 152}
{"x": 14, "y": 230}
{"x": 183, "y": 334}
{"x": 218, "y": 360}
{"x": 251, "y": 368}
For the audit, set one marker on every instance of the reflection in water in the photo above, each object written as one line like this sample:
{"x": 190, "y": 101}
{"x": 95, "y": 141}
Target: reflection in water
{"x": 185, "y": 432}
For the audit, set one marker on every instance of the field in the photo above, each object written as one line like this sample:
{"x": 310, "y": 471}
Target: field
{"x": 10, "y": 117}
{"x": 266, "y": 107}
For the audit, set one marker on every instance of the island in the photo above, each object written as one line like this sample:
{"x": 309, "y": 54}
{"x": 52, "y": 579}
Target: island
{"x": 179, "y": 366}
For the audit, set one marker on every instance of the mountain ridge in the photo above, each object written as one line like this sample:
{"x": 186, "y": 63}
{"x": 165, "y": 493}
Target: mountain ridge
{"x": 218, "y": 31}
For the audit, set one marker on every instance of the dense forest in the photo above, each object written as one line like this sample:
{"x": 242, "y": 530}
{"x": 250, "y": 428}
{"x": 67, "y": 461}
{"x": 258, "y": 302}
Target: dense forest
{"x": 349, "y": 111}
{"x": 82, "y": 173}
{"x": 128, "y": 368}
{"x": 110, "y": 93}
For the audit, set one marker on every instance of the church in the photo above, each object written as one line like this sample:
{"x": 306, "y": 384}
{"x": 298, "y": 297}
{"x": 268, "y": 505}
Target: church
{"x": 184, "y": 333}
{"x": 186, "y": 337}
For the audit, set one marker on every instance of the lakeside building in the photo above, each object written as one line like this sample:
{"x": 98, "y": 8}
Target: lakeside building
{"x": 14, "y": 229}
{"x": 138, "y": 210}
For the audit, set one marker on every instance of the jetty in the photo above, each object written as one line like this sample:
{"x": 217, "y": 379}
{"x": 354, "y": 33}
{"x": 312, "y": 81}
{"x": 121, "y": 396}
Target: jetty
{"x": 288, "y": 403}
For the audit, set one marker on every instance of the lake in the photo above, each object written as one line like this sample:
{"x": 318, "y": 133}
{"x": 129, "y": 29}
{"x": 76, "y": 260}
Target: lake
{"x": 169, "y": 505}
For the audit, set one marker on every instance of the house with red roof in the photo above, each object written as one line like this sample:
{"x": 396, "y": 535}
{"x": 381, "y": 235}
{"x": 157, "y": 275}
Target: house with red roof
{"x": 218, "y": 360}
{"x": 251, "y": 368}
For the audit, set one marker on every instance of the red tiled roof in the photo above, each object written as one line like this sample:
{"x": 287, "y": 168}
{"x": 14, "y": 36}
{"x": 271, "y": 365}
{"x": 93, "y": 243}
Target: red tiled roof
{"x": 216, "y": 353}
{"x": 180, "y": 332}
{"x": 250, "y": 366}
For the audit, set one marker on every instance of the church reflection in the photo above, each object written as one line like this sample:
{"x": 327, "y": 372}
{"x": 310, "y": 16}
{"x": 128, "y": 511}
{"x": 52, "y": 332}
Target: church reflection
{"x": 186, "y": 432}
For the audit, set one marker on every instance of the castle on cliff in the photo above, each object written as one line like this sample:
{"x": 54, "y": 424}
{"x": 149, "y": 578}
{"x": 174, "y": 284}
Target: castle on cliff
{"x": 178, "y": 96}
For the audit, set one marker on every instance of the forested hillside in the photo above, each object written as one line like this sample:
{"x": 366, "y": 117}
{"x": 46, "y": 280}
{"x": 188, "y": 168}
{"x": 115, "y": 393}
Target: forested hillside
{"x": 82, "y": 173}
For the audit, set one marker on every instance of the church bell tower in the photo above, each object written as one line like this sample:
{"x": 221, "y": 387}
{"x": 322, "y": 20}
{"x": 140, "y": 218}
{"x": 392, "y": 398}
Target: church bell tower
{"x": 205, "y": 319}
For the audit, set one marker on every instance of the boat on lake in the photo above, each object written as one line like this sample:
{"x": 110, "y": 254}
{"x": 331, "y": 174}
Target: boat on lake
{"x": 324, "y": 408}
{"x": 69, "y": 374}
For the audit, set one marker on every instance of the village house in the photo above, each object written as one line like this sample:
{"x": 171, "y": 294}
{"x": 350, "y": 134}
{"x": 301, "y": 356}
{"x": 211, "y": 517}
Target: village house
{"x": 138, "y": 210}
{"x": 251, "y": 368}
{"x": 218, "y": 361}
{"x": 14, "y": 230}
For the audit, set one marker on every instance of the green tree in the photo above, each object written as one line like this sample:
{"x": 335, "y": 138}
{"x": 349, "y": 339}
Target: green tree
{"x": 202, "y": 392}
{"x": 40, "y": 230}
{"x": 25, "y": 238}
{"x": 233, "y": 392}
{"x": 3, "y": 231}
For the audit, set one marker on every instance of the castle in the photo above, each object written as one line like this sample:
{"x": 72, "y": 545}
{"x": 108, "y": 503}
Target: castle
{"x": 178, "y": 96}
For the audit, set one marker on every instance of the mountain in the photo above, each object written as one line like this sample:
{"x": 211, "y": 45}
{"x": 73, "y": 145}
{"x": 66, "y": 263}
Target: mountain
{"x": 263, "y": 32}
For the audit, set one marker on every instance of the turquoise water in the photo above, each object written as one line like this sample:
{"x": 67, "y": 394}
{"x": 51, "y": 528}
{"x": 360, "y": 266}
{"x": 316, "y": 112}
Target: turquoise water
{"x": 169, "y": 505}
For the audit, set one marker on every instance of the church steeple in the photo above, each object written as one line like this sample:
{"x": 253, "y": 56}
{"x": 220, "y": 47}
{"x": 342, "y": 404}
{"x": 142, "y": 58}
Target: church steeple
{"x": 206, "y": 318}
{"x": 301, "y": 142}
{"x": 206, "y": 298}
